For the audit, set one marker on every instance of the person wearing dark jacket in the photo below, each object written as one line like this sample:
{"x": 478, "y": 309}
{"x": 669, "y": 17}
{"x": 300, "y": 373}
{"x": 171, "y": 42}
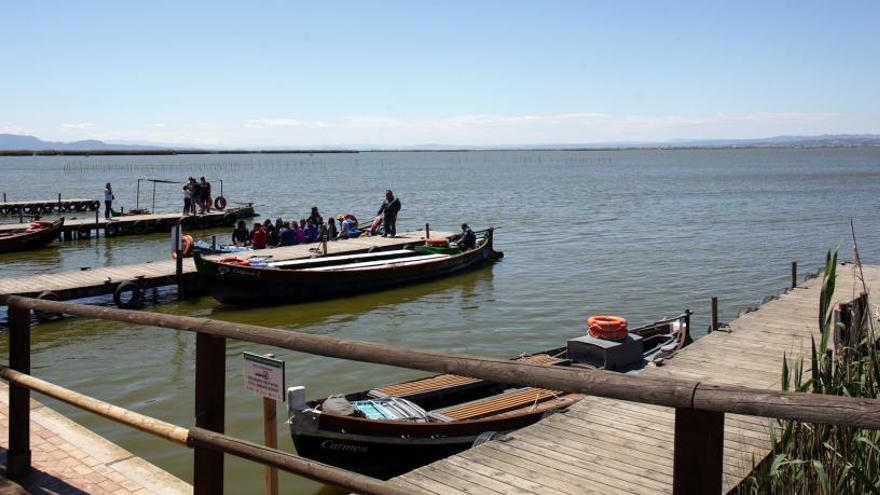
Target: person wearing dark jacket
{"x": 241, "y": 236}
{"x": 466, "y": 238}
{"x": 389, "y": 210}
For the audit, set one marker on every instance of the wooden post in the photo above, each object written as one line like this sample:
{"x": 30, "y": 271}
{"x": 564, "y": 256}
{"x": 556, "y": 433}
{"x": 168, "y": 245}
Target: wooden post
{"x": 59, "y": 201}
{"x": 18, "y": 462}
{"x": 714, "y": 325}
{"x": 213, "y": 243}
{"x": 324, "y": 243}
{"x": 793, "y": 274}
{"x": 699, "y": 451}
{"x": 4, "y": 197}
{"x": 270, "y": 439}
{"x": 97, "y": 214}
{"x": 427, "y": 231}
{"x": 210, "y": 411}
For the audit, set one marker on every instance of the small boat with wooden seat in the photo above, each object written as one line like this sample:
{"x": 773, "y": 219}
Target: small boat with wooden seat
{"x": 259, "y": 280}
{"x": 36, "y": 235}
{"x": 386, "y": 431}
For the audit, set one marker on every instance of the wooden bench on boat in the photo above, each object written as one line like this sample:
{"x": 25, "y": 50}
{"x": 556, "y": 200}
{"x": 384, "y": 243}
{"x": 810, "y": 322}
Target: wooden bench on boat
{"x": 449, "y": 383}
{"x": 496, "y": 404}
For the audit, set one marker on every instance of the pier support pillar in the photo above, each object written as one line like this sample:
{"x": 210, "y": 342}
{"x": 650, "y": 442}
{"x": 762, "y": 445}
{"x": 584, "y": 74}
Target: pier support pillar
{"x": 699, "y": 451}
{"x": 210, "y": 411}
{"x": 18, "y": 462}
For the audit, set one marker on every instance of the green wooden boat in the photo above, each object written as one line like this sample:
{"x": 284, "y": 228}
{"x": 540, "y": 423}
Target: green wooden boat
{"x": 235, "y": 280}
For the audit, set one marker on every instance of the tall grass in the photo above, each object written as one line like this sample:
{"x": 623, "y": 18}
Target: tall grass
{"x": 822, "y": 459}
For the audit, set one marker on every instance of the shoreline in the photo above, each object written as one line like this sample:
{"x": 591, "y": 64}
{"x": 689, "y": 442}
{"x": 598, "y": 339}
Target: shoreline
{"x": 166, "y": 152}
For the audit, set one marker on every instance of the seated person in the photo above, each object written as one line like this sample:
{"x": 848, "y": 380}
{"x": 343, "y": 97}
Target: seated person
{"x": 349, "y": 226}
{"x": 311, "y": 231}
{"x": 288, "y": 236}
{"x": 466, "y": 239}
{"x": 331, "y": 229}
{"x": 241, "y": 236}
{"x": 297, "y": 230}
{"x": 259, "y": 237}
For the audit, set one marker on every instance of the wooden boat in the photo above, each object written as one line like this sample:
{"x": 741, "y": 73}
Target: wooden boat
{"x": 37, "y": 235}
{"x": 390, "y": 430}
{"x": 257, "y": 280}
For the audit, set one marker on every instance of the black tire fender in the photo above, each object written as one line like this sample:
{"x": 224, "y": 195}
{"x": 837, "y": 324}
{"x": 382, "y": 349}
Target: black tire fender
{"x": 111, "y": 229}
{"x": 43, "y": 315}
{"x": 137, "y": 295}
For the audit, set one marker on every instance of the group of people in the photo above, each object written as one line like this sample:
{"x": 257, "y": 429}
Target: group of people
{"x": 313, "y": 228}
{"x": 281, "y": 232}
{"x": 197, "y": 195}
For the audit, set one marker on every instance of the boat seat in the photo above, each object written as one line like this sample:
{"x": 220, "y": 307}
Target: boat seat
{"x": 447, "y": 383}
{"x": 496, "y": 404}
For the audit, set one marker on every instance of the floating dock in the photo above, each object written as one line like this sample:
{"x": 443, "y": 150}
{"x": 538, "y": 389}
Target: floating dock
{"x": 103, "y": 281}
{"x": 43, "y": 206}
{"x": 71, "y": 460}
{"x": 142, "y": 224}
{"x": 615, "y": 447}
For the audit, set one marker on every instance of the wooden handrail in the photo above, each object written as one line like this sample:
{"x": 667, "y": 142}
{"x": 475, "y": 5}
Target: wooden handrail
{"x": 193, "y": 437}
{"x": 681, "y": 394}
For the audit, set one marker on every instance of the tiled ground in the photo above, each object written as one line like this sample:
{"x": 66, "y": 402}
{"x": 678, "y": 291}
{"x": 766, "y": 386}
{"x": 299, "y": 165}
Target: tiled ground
{"x": 60, "y": 467}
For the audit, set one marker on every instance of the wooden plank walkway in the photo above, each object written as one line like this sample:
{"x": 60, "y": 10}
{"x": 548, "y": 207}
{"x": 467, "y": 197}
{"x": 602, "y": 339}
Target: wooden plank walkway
{"x": 102, "y": 281}
{"x": 608, "y": 446}
{"x": 142, "y": 224}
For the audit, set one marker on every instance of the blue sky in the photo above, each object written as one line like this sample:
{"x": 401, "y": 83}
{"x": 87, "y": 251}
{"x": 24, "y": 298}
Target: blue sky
{"x": 470, "y": 73}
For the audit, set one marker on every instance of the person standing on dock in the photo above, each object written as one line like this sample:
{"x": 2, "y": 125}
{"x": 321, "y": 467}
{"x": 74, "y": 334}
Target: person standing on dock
{"x": 196, "y": 189}
{"x": 206, "y": 195}
{"x": 315, "y": 217}
{"x": 108, "y": 201}
{"x": 187, "y": 198}
{"x": 389, "y": 210}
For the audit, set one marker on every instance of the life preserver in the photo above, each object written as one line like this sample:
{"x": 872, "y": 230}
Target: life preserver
{"x": 220, "y": 203}
{"x": 607, "y": 327}
{"x": 187, "y": 250}
{"x": 439, "y": 242}
{"x": 377, "y": 222}
{"x": 234, "y": 260}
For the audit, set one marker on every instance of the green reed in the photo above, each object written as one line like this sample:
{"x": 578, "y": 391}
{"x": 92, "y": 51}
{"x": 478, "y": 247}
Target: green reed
{"x": 813, "y": 458}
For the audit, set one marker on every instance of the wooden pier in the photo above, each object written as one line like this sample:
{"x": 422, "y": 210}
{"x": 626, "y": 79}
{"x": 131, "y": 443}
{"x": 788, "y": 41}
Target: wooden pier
{"x": 142, "y": 224}
{"x": 103, "y": 281}
{"x": 608, "y": 446}
{"x": 43, "y": 206}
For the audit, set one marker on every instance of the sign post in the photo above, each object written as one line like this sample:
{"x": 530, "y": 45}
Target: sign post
{"x": 264, "y": 375}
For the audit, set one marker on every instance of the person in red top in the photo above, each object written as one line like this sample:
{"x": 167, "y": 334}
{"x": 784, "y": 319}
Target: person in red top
{"x": 259, "y": 237}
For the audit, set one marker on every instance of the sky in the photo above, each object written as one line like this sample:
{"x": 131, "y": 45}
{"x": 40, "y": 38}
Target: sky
{"x": 458, "y": 73}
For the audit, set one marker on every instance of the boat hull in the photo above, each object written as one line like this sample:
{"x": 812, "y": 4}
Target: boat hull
{"x": 23, "y": 241}
{"x": 232, "y": 284}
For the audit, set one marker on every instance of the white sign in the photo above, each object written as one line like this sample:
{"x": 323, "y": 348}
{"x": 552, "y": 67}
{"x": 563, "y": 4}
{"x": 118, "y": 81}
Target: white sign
{"x": 264, "y": 376}
{"x": 176, "y": 238}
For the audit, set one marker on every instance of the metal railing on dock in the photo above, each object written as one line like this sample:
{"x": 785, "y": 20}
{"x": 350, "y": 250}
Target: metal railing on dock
{"x": 700, "y": 407}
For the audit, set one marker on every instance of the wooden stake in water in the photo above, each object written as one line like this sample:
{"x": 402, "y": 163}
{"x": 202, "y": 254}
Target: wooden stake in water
{"x": 270, "y": 438}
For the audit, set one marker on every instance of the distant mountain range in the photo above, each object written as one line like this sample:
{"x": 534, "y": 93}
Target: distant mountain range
{"x": 31, "y": 143}
{"x": 13, "y": 142}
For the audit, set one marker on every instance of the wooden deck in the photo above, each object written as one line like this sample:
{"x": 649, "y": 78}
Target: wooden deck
{"x": 102, "y": 281}
{"x": 140, "y": 224}
{"x": 609, "y": 446}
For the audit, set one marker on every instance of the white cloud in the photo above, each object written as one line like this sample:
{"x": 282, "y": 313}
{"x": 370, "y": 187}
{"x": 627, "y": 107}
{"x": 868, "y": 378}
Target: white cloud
{"x": 78, "y": 126}
{"x": 569, "y": 127}
{"x": 6, "y": 128}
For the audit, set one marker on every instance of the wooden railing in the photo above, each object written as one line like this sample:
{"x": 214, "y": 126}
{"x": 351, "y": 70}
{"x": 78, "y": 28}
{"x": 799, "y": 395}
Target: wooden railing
{"x": 699, "y": 419}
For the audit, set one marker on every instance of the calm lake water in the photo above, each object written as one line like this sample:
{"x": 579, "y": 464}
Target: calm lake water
{"x": 641, "y": 234}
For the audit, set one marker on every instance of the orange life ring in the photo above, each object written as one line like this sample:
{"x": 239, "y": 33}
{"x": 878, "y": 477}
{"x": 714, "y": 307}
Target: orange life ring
{"x": 220, "y": 203}
{"x": 607, "y": 327}
{"x": 187, "y": 250}
{"x": 377, "y": 222}
{"x": 234, "y": 260}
